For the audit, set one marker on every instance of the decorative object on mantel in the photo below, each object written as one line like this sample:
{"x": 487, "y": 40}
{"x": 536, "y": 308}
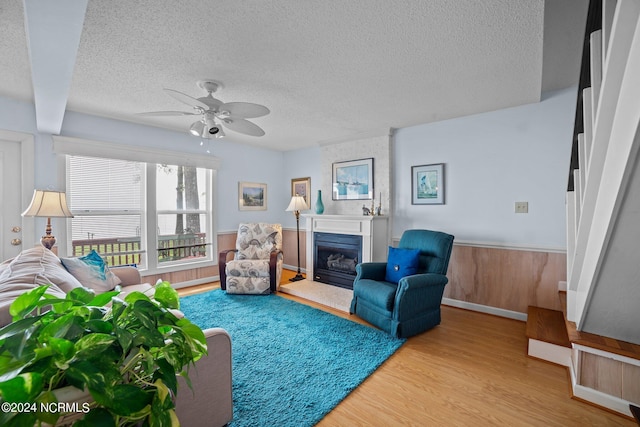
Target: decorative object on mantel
{"x": 302, "y": 187}
{"x": 319, "y": 204}
{"x": 252, "y": 196}
{"x": 365, "y": 211}
{"x": 427, "y": 184}
{"x": 46, "y": 203}
{"x": 296, "y": 205}
{"x": 379, "y": 208}
{"x": 353, "y": 180}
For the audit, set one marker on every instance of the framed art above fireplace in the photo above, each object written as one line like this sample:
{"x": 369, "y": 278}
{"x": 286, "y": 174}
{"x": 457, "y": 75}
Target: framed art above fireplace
{"x": 353, "y": 180}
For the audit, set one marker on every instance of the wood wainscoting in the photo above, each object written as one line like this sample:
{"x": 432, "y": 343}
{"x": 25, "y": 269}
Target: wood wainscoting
{"x": 509, "y": 279}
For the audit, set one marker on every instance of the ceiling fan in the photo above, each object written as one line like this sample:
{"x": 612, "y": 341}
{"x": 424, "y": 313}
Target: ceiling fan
{"x": 215, "y": 114}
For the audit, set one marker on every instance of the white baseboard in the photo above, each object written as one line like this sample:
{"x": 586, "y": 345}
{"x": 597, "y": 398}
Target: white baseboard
{"x": 485, "y": 309}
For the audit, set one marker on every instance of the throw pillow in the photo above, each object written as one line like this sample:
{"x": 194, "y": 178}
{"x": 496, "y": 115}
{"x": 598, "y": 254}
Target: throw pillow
{"x": 92, "y": 272}
{"x": 401, "y": 263}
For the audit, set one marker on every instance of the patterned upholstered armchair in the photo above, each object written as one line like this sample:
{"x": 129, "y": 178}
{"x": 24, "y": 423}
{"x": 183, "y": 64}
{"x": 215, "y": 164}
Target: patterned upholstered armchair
{"x": 256, "y": 266}
{"x": 402, "y": 296}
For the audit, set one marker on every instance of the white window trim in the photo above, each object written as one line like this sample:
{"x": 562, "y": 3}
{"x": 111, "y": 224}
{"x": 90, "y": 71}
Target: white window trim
{"x": 92, "y": 148}
{"x": 65, "y": 145}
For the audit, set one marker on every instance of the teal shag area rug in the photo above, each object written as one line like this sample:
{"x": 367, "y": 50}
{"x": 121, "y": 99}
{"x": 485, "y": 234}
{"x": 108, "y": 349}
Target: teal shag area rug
{"x": 292, "y": 364}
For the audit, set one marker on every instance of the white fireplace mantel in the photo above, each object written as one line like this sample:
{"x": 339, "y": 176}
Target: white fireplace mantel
{"x": 373, "y": 229}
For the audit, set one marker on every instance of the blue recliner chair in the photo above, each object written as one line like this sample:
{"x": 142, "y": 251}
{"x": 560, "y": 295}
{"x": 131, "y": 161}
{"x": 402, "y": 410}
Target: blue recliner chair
{"x": 412, "y": 305}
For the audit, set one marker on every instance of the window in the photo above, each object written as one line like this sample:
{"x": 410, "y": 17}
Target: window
{"x": 181, "y": 214}
{"x": 153, "y": 215}
{"x": 106, "y": 197}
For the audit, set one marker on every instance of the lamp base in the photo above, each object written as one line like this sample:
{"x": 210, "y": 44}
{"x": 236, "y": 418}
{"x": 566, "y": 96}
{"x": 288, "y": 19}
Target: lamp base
{"x": 297, "y": 278}
{"x": 48, "y": 241}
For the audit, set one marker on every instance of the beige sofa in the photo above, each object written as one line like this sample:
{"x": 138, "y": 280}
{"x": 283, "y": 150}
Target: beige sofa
{"x": 210, "y": 403}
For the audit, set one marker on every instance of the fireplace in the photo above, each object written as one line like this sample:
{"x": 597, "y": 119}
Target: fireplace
{"x": 335, "y": 257}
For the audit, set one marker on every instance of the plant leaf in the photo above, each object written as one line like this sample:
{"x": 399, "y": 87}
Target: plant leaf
{"x": 23, "y": 419}
{"x": 26, "y": 302}
{"x": 58, "y": 328}
{"x": 93, "y": 344}
{"x": 81, "y": 295}
{"x": 11, "y": 367}
{"x": 136, "y": 296}
{"x": 97, "y": 417}
{"x": 167, "y": 373}
{"x": 64, "y": 351}
{"x": 129, "y": 399}
{"x": 167, "y": 296}
{"x": 97, "y": 325}
{"x": 102, "y": 299}
{"x": 125, "y": 339}
{"x": 18, "y": 327}
{"x": 47, "y": 416}
{"x": 23, "y": 388}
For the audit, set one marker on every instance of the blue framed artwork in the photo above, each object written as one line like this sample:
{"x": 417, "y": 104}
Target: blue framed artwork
{"x": 427, "y": 184}
{"x": 353, "y": 180}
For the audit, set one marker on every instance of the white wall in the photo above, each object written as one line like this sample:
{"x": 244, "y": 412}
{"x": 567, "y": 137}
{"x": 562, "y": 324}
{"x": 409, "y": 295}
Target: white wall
{"x": 491, "y": 161}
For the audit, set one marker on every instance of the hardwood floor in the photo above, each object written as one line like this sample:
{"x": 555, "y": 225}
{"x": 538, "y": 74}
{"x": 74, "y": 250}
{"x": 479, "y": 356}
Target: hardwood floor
{"x": 472, "y": 369}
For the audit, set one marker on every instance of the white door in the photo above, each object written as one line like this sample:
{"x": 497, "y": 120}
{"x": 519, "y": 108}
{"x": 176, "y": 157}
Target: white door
{"x": 16, "y": 185}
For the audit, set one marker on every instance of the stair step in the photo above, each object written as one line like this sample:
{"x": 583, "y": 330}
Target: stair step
{"x": 547, "y": 326}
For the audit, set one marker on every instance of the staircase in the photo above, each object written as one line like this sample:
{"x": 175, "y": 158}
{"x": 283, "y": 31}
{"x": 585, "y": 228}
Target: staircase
{"x": 602, "y": 300}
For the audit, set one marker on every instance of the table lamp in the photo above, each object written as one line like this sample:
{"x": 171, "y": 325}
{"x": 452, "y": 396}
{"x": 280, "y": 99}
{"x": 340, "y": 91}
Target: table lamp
{"x": 48, "y": 204}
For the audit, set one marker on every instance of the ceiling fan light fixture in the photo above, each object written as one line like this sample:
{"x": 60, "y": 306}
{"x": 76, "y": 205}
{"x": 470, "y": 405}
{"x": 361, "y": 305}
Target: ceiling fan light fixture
{"x": 211, "y": 126}
{"x": 197, "y": 128}
{"x": 220, "y": 133}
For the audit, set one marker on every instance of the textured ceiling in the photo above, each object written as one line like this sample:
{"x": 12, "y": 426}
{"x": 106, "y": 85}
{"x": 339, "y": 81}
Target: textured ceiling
{"x": 329, "y": 71}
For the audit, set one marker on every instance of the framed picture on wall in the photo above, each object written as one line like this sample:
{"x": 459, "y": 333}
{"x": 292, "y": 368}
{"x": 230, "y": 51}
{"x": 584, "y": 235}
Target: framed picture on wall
{"x": 302, "y": 187}
{"x": 353, "y": 180}
{"x": 252, "y": 196}
{"x": 427, "y": 184}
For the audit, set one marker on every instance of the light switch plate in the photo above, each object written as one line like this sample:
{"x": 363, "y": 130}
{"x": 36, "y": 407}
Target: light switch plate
{"x": 522, "y": 207}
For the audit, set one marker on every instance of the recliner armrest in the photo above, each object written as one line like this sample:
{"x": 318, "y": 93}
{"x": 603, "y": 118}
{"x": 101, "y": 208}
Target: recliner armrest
{"x": 417, "y": 292}
{"x": 223, "y": 256}
{"x": 273, "y": 265}
{"x": 371, "y": 270}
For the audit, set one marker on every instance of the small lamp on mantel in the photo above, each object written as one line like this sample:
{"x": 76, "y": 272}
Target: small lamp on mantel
{"x": 48, "y": 204}
{"x": 296, "y": 205}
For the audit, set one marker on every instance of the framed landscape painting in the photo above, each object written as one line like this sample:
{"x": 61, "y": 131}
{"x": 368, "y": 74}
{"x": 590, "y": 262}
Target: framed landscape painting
{"x": 252, "y": 196}
{"x": 353, "y": 180}
{"x": 427, "y": 184}
{"x": 302, "y": 187}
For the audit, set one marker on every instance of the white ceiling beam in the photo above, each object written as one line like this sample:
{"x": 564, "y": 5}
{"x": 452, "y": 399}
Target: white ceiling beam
{"x": 53, "y": 36}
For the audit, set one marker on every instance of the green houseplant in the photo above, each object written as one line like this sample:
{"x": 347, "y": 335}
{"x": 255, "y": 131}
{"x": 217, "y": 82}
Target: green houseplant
{"x": 125, "y": 352}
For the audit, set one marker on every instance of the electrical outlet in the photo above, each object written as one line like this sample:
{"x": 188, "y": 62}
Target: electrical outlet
{"x": 522, "y": 207}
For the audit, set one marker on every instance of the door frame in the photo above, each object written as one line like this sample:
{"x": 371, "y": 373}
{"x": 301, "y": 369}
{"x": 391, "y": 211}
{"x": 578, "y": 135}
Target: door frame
{"x": 27, "y": 180}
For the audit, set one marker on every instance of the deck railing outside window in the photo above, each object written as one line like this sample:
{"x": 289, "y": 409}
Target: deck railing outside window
{"x": 127, "y": 250}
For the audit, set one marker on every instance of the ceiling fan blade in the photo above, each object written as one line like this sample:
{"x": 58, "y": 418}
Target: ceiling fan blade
{"x": 186, "y": 99}
{"x": 245, "y": 110}
{"x": 167, "y": 113}
{"x": 211, "y": 102}
{"x": 243, "y": 126}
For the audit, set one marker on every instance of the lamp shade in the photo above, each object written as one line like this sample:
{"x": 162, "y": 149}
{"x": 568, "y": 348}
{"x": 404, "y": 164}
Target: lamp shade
{"x": 49, "y": 204}
{"x": 297, "y": 204}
